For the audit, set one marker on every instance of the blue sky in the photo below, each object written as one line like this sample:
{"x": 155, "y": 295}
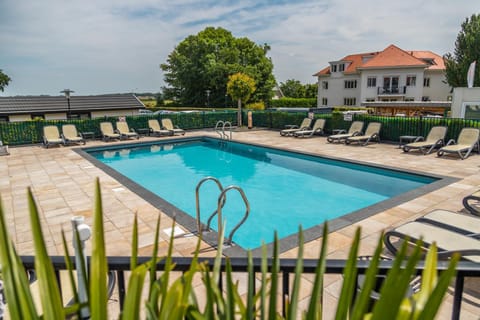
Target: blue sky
{"x": 110, "y": 46}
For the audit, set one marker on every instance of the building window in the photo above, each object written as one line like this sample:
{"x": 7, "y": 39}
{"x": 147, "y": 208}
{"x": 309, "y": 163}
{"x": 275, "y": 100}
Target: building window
{"x": 426, "y": 82}
{"x": 371, "y": 82}
{"x": 409, "y": 99}
{"x": 350, "y": 84}
{"x": 370, "y": 100}
{"x": 349, "y": 101}
{"x": 341, "y": 67}
{"x": 411, "y": 81}
{"x": 324, "y": 102}
{"x": 325, "y": 85}
{"x": 334, "y": 68}
{"x": 425, "y": 98}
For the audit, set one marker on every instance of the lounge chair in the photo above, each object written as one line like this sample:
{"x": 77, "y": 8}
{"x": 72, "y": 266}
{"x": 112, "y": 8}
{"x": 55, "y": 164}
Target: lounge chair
{"x": 467, "y": 141}
{"x": 435, "y": 138}
{"x": 472, "y": 203}
{"x": 291, "y": 129}
{"x": 168, "y": 125}
{"x": 156, "y": 130}
{"x": 3, "y": 149}
{"x": 372, "y": 133}
{"x": 106, "y": 129}
{"x": 341, "y": 135}
{"x": 51, "y": 136}
{"x": 448, "y": 241}
{"x": 316, "y": 129}
{"x": 453, "y": 221}
{"x": 70, "y": 134}
{"x": 124, "y": 130}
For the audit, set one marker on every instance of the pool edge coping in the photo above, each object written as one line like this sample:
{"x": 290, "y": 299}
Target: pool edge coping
{"x": 286, "y": 243}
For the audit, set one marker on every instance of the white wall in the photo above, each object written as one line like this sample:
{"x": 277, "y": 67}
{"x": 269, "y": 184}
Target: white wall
{"x": 114, "y": 113}
{"x": 19, "y": 117}
{"x": 55, "y": 116}
{"x": 462, "y": 95}
{"x": 438, "y": 90}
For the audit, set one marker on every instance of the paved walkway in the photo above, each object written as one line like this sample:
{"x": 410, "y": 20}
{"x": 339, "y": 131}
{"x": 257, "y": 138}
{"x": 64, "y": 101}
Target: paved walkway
{"x": 63, "y": 185}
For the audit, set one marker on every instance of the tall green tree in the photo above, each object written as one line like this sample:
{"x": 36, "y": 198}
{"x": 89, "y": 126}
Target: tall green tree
{"x": 4, "y": 80}
{"x": 240, "y": 87}
{"x": 292, "y": 89}
{"x": 467, "y": 50}
{"x": 204, "y": 61}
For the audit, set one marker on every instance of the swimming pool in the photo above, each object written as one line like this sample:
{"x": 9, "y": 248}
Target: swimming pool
{"x": 285, "y": 189}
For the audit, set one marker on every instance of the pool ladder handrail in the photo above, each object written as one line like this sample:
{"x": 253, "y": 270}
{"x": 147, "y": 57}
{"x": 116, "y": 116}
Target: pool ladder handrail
{"x": 221, "y": 132}
{"x": 220, "y": 204}
{"x": 200, "y": 228}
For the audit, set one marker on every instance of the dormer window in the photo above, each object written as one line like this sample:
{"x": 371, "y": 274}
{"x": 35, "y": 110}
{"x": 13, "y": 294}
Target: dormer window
{"x": 341, "y": 67}
{"x": 334, "y": 68}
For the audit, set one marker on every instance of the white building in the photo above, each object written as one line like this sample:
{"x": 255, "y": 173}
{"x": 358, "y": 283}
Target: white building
{"x": 390, "y": 80}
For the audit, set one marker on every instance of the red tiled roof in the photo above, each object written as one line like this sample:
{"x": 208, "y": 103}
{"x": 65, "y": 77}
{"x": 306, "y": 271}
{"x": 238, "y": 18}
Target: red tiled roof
{"x": 392, "y": 56}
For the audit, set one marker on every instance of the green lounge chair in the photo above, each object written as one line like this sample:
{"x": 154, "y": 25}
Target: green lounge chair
{"x": 467, "y": 141}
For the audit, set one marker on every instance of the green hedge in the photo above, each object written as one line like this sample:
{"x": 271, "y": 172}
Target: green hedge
{"x": 294, "y": 103}
{"x": 28, "y": 132}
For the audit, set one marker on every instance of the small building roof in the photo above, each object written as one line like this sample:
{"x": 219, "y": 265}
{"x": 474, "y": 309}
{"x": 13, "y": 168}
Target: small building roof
{"x": 52, "y": 104}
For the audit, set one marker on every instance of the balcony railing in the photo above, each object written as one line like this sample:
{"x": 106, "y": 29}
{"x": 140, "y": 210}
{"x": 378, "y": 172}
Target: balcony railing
{"x": 121, "y": 265}
{"x": 391, "y": 90}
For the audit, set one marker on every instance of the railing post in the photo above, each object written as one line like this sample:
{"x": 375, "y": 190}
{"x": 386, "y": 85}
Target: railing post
{"x": 457, "y": 298}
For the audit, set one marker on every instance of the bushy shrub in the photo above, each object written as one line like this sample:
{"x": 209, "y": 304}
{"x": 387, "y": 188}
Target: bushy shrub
{"x": 256, "y": 106}
{"x": 294, "y": 103}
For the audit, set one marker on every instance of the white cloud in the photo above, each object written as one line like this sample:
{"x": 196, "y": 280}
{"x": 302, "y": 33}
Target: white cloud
{"x": 117, "y": 46}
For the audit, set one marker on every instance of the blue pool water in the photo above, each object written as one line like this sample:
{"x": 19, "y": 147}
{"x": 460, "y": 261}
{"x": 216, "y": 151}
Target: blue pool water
{"x": 284, "y": 189}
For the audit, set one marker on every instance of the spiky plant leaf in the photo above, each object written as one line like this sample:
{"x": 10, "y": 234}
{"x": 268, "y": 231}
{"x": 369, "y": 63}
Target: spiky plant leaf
{"x": 294, "y": 297}
{"x": 272, "y": 307}
{"x": 349, "y": 280}
{"x": 14, "y": 278}
{"x": 98, "y": 298}
{"x": 315, "y": 305}
{"x": 49, "y": 292}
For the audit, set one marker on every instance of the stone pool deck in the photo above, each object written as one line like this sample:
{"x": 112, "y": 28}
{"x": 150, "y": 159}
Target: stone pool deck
{"x": 63, "y": 185}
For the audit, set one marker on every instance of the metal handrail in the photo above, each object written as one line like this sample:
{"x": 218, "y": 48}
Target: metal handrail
{"x": 223, "y": 125}
{"x": 217, "y": 125}
{"x": 197, "y": 203}
{"x": 229, "y": 130}
{"x": 228, "y": 240}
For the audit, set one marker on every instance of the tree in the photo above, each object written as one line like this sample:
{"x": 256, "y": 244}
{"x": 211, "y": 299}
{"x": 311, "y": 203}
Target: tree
{"x": 204, "y": 61}
{"x": 311, "y": 90}
{"x": 240, "y": 87}
{"x": 292, "y": 89}
{"x": 4, "y": 80}
{"x": 467, "y": 50}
